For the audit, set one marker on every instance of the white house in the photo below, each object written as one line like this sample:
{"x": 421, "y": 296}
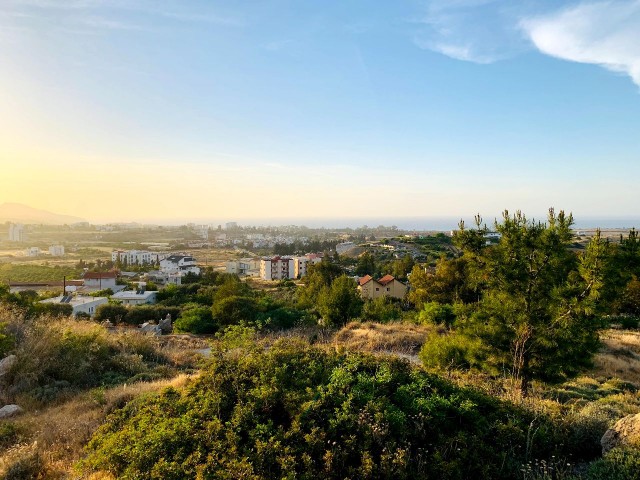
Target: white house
{"x": 162, "y": 278}
{"x": 179, "y": 264}
{"x": 137, "y": 297}
{"x": 56, "y": 250}
{"x": 32, "y": 252}
{"x": 244, "y": 266}
{"x": 79, "y": 304}
{"x": 99, "y": 280}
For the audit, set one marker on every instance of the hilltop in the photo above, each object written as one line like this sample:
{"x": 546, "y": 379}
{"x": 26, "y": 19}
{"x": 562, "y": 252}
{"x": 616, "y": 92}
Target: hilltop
{"x": 20, "y": 213}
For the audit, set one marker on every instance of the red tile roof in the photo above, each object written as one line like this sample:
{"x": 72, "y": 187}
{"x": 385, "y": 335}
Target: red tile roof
{"x": 386, "y": 279}
{"x": 365, "y": 279}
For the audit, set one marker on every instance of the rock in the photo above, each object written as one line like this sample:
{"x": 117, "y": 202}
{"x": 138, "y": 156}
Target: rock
{"x": 626, "y": 431}
{"x": 9, "y": 411}
{"x": 7, "y": 364}
{"x": 150, "y": 327}
{"x": 165, "y": 324}
{"x": 107, "y": 324}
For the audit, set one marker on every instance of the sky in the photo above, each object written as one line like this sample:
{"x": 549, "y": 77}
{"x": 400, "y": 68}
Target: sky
{"x": 158, "y": 110}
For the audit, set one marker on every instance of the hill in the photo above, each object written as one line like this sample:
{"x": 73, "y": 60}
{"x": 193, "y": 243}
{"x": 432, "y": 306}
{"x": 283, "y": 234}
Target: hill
{"x": 19, "y": 213}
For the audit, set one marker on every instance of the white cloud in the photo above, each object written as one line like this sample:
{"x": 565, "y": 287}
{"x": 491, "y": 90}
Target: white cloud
{"x": 603, "y": 33}
{"x": 480, "y": 31}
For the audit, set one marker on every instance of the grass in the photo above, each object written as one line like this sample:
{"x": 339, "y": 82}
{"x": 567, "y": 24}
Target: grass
{"x": 52, "y": 440}
{"x": 396, "y": 337}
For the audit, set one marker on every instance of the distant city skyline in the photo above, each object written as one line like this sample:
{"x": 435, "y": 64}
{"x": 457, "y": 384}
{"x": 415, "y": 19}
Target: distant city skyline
{"x": 141, "y": 110}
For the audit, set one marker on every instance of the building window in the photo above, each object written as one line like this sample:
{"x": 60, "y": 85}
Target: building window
{"x": 377, "y": 289}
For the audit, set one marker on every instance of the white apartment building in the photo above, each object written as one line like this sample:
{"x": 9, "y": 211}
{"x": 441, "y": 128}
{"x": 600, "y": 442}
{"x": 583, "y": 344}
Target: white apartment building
{"x": 277, "y": 268}
{"x": 16, "y": 232}
{"x": 56, "y": 250}
{"x": 301, "y": 263}
{"x": 244, "y": 266}
{"x": 136, "y": 257}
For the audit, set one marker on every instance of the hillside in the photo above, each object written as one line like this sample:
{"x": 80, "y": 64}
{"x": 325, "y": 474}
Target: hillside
{"x": 19, "y": 213}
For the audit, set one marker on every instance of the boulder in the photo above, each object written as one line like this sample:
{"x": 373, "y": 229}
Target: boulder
{"x": 9, "y": 411}
{"x": 165, "y": 324}
{"x": 626, "y": 431}
{"x": 7, "y": 364}
{"x": 108, "y": 324}
{"x": 150, "y": 327}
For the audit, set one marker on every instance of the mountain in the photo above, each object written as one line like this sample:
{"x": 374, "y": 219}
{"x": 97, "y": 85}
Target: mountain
{"x": 19, "y": 213}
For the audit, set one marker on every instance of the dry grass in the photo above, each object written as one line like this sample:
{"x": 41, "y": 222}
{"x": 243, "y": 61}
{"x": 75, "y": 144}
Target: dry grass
{"x": 400, "y": 338}
{"x": 53, "y": 439}
{"x": 619, "y": 357}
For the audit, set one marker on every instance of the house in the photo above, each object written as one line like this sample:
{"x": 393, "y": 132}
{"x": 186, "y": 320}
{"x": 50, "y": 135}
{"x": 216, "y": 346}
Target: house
{"x": 79, "y": 304}
{"x": 32, "y": 252}
{"x": 244, "y": 266}
{"x": 179, "y": 263}
{"x": 100, "y": 280}
{"x": 277, "y": 268}
{"x": 137, "y": 297}
{"x": 165, "y": 279}
{"x": 56, "y": 250}
{"x": 387, "y": 286}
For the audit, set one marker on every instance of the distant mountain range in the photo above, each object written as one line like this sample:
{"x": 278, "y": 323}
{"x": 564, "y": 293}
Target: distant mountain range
{"x": 19, "y": 213}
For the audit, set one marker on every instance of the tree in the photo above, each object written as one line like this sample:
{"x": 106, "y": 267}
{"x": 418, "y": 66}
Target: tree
{"x": 536, "y": 313}
{"x": 340, "y": 302}
{"x": 366, "y": 264}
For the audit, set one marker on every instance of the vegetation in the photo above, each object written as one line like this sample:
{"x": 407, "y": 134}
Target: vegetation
{"x": 298, "y": 411}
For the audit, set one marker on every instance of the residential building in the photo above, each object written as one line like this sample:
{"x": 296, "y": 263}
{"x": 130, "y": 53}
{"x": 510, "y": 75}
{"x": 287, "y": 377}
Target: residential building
{"x": 179, "y": 263}
{"x": 16, "y": 232}
{"x": 136, "y": 257}
{"x": 244, "y": 266}
{"x": 137, "y": 297}
{"x": 162, "y": 278}
{"x": 231, "y": 225}
{"x": 100, "y": 280}
{"x": 56, "y": 250}
{"x": 80, "y": 304}
{"x": 301, "y": 263}
{"x": 277, "y": 268}
{"x": 387, "y": 286}
{"x": 32, "y": 252}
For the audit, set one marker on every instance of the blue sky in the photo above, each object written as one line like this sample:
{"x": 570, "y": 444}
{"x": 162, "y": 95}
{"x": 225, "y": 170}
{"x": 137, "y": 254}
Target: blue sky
{"x": 321, "y": 109}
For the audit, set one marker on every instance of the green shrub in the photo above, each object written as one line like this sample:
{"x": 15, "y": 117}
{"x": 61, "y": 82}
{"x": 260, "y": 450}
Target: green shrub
{"x": 451, "y": 351}
{"x": 437, "y": 314}
{"x": 617, "y": 464}
{"x": 381, "y": 309}
{"x": 9, "y": 434}
{"x": 296, "y": 411}
{"x": 196, "y": 319}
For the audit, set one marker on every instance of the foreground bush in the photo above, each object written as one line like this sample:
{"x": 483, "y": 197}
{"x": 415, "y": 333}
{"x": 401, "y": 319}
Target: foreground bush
{"x": 296, "y": 411}
{"x": 64, "y": 355}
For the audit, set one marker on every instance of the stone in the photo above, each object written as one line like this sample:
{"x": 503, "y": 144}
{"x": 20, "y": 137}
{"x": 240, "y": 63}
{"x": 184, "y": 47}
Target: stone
{"x": 150, "y": 327}
{"x": 165, "y": 324}
{"x": 107, "y": 324}
{"x": 9, "y": 411}
{"x": 7, "y": 364}
{"x": 626, "y": 431}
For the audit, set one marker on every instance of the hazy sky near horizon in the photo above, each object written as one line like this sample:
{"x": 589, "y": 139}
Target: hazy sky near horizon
{"x": 155, "y": 109}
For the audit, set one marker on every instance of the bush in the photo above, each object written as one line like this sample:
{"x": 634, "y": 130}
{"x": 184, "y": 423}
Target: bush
{"x": 437, "y": 314}
{"x": 234, "y": 310}
{"x": 296, "y": 411}
{"x": 381, "y": 309}
{"x": 451, "y": 351}
{"x": 112, "y": 312}
{"x": 196, "y": 319}
{"x": 617, "y": 464}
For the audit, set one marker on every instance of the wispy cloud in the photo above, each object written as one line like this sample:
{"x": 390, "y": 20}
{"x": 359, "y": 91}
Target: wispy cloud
{"x": 109, "y": 24}
{"x": 603, "y": 33}
{"x": 480, "y": 31}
